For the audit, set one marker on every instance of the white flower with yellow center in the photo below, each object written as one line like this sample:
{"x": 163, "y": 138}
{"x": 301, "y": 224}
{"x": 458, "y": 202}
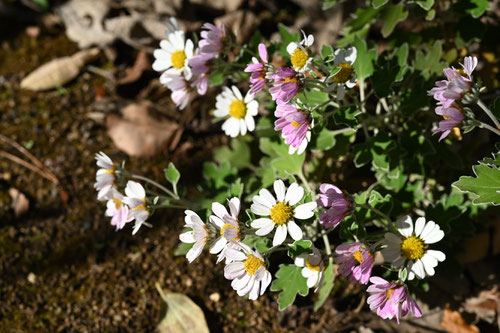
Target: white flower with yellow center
{"x": 173, "y": 56}
{"x": 313, "y": 267}
{"x": 281, "y": 211}
{"x": 300, "y": 54}
{"x": 227, "y": 224}
{"x": 136, "y": 200}
{"x": 411, "y": 248}
{"x": 247, "y": 270}
{"x": 344, "y": 59}
{"x": 240, "y": 111}
{"x": 197, "y": 235}
{"x": 105, "y": 177}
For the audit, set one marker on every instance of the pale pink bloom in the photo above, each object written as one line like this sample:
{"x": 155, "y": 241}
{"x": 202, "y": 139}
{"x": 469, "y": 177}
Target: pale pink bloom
{"x": 285, "y": 86}
{"x": 213, "y": 38}
{"x": 226, "y": 223}
{"x": 258, "y": 70}
{"x": 333, "y": 198}
{"x": 105, "y": 177}
{"x": 355, "y": 260}
{"x": 247, "y": 270}
{"x": 391, "y": 299}
{"x": 118, "y": 210}
{"x": 180, "y": 89}
{"x": 453, "y": 116}
{"x": 457, "y": 84}
{"x": 200, "y": 66}
{"x": 197, "y": 235}
{"x": 292, "y": 122}
{"x": 136, "y": 200}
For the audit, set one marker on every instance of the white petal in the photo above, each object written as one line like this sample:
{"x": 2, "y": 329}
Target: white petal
{"x": 260, "y": 209}
{"x": 218, "y": 245}
{"x": 405, "y": 226}
{"x": 440, "y": 256}
{"x": 294, "y": 194}
{"x": 219, "y": 210}
{"x": 305, "y": 211}
{"x": 294, "y": 230}
{"x": 217, "y": 221}
{"x": 279, "y": 189}
{"x": 187, "y": 237}
{"x": 267, "y": 197}
{"x": 418, "y": 269}
{"x": 279, "y": 235}
{"x": 419, "y": 225}
{"x": 234, "y": 207}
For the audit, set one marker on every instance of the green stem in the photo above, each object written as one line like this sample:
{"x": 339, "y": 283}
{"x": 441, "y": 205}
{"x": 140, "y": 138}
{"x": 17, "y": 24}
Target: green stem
{"x": 378, "y": 212}
{"x": 152, "y": 182}
{"x": 490, "y": 114}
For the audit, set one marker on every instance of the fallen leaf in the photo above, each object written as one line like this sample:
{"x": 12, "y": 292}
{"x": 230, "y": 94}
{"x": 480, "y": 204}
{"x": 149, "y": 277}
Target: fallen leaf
{"x": 228, "y": 5}
{"x": 133, "y": 73}
{"x": 485, "y": 305}
{"x": 59, "y": 71}
{"x": 20, "y": 203}
{"x": 243, "y": 22}
{"x": 183, "y": 315}
{"x": 138, "y": 133}
{"x": 454, "y": 322}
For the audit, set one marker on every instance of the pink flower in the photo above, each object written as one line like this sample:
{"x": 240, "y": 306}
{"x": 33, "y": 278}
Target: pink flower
{"x": 199, "y": 67}
{"x": 117, "y": 210}
{"x": 258, "y": 70}
{"x": 333, "y": 198}
{"x": 180, "y": 89}
{"x": 457, "y": 84}
{"x": 285, "y": 86}
{"x": 356, "y": 260}
{"x": 292, "y": 122}
{"x": 391, "y": 299}
{"x": 453, "y": 117}
{"x": 213, "y": 39}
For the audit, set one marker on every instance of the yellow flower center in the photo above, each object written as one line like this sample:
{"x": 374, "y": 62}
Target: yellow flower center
{"x": 456, "y": 133}
{"x": 295, "y": 124}
{"x": 281, "y": 213}
{"x": 252, "y": 264}
{"x": 110, "y": 171}
{"x": 237, "y": 109}
{"x": 460, "y": 71}
{"x": 358, "y": 256}
{"x": 227, "y": 225}
{"x": 413, "y": 248}
{"x": 178, "y": 58}
{"x": 389, "y": 292}
{"x": 311, "y": 266}
{"x": 299, "y": 58}
{"x": 117, "y": 202}
{"x": 143, "y": 206}
{"x": 344, "y": 74}
{"x": 291, "y": 79}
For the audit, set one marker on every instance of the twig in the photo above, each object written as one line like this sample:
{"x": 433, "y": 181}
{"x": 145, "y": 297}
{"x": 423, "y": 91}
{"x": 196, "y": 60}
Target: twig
{"x": 488, "y": 127}
{"x": 27, "y": 165}
{"x": 489, "y": 113}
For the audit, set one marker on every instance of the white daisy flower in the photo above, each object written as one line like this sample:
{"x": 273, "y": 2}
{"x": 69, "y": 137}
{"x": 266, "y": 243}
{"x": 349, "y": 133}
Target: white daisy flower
{"x": 198, "y": 234}
{"x": 313, "y": 267}
{"x": 227, "y": 224}
{"x": 247, "y": 270}
{"x": 136, "y": 200}
{"x": 173, "y": 56}
{"x": 344, "y": 58}
{"x": 300, "y": 53}
{"x": 240, "y": 111}
{"x": 105, "y": 177}
{"x": 118, "y": 210}
{"x": 411, "y": 248}
{"x": 281, "y": 212}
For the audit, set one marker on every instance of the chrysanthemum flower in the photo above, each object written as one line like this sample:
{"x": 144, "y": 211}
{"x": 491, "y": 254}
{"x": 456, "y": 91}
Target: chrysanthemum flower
{"x": 453, "y": 116}
{"x": 198, "y": 234}
{"x": 313, "y": 267}
{"x": 457, "y": 84}
{"x": 226, "y": 223}
{"x": 105, "y": 177}
{"x": 355, "y": 260}
{"x": 240, "y": 111}
{"x": 118, "y": 210}
{"x": 258, "y": 70}
{"x": 136, "y": 200}
{"x": 247, "y": 270}
{"x": 412, "y": 247}
{"x": 344, "y": 58}
{"x": 200, "y": 66}
{"x": 293, "y": 123}
{"x": 173, "y": 56}
{"x": 213, "y": 39}
{"x": 300, "y": 53}
{"x": 285, "y": 86}
{"x": 333, "y": 198}
{"x": 180, "y": 89}
{"x": 281, "y": 211}
{"x": 391, "y": 299}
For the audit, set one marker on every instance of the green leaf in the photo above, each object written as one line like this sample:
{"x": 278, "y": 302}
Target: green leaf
{"x": 287, "y": 37}
{"x": 216, "y": 79}
{"x": 364, "y": 61}
{"x": 401, "y": 55}
{"x": 495, "y": 161}
{"x": 299, "y": 247}
{"x": 425, "y": 4}
{"x": 326, "y": 51}
{"x": 282, "y": 163}
{"x": 290, "y": 281}
{"x": 347, "y": 116}
{"x": 382, "y": 203}
{"x": 386, "y": 71}
{"x": 374, "y": 149}
{"x": 324, "y": 140}
{"x": 486, "y": 184}
{"x": 326, "y": 287}
{"x": 379, "y": 3}
{"x": 44, "y": 4}
{"x": 313, "y": 97}
{"x": 218, "y": 175}
{"x": 262, "y": 244}
{"x": 430, "y": 64}
{"x": 236, "y": 189}
{"x": 476, "y": 7}
{"x": 238, "y": 156}
{"x": 182, "y": 249}
{"x": 392, "y": 15}
{"x": 172, "y": 174}
{"x": 330, "y": 3}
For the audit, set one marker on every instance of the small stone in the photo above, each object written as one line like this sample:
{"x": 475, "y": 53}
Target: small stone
{"x": 31, "y": 278}
{"x": 215, "y": 297}
{"x": 189, "y": 282}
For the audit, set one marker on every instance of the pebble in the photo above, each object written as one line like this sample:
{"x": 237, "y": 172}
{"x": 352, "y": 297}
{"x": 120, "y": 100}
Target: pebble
{"x": 31, "y": 278}
{"x": 214, "y": 297}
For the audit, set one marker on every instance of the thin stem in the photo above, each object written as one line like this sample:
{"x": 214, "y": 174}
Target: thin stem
{"x": 489, "y": 113}
{"x": 320, "y": 105}
{"x": 362, "y": 95}
{"x": 488, "y": 127}
{"x": 306, "y": 183}
{"x": 378, "y": 212}
{"x": 152, "y": 182}
{"x": 327, "y": 244}
{"x": 343, "y": 130}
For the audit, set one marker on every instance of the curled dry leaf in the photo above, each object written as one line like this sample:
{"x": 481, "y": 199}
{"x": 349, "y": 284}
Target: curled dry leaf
{"x": 20, "y": 203}
{"x": 486, "y": 305}
{"x": 133, "y": 73}
{"x": 454, "y": 322}
{"x": 228, "y": 5}
{"x": 183, "y": 315}
{"x": 59, "y": 71}
{"x": 139, "y": 133}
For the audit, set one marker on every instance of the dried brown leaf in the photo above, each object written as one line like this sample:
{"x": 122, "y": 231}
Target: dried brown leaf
{"x": 133, "y": 73}
{"x": 485, "y": 305}
{"x": 242, "y": 21}
{"x": 454, "y": 322}
{"x": 59, "y": 71}
{"x": 138, "y": 133}
{"x": 227, "y": 5}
